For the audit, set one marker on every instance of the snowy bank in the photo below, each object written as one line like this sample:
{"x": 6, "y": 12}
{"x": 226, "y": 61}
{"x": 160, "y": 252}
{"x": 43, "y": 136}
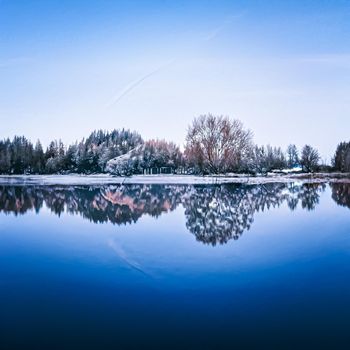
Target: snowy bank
{"x": 104, "y": 179}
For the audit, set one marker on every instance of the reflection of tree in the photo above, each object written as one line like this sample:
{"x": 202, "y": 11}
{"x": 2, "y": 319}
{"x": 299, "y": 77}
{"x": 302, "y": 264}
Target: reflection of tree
{"x": 341, "y": 193}
{"x": 116, "y": 204}
{"x": 217, "y": 214}
{"x": 214, "y": 214}
{"x": 19, "y": 200}
{"x": 293, "y": 198}
{"x": 212, "y": 218}
{"x": 309, "y": 195}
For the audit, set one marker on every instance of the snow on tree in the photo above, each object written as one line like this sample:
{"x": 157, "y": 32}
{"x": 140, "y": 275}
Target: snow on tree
{"x": 217, "y": 144}
{"x": 151, "y": 154}
{"x": 126, "y": 164}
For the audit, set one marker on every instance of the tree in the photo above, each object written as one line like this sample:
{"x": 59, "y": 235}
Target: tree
{"x": 217, "y": 144}
{"x": 151, "y": 154}
{"x": 309, "y": 159}
{"x": 341, "y": 160}
{"x": 126, "y": 164}
{"x": 264, "y": 159}
{"x": 20, "y": 155}
{"x": 55, "y": 157}
{"x": 5, "y": 156}
{"x": 292, "y": 156}
{"x": 38, "y": 159}
{"x": 160, "y": 153}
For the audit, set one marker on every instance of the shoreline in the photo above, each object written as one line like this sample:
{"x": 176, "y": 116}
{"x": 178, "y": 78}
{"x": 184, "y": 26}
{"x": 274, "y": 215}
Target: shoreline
{"x": 105, "y": 179}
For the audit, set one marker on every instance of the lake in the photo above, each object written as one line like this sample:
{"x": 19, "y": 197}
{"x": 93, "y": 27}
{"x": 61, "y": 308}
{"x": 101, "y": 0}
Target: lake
{"x": 175, "y": 266}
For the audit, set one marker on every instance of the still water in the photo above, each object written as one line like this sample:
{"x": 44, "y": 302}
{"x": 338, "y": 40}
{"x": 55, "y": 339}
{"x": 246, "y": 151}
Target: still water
{"x": 175, "y": 267}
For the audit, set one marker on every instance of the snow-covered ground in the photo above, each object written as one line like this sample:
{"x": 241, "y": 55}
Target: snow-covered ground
{"x": 104, "y": 179}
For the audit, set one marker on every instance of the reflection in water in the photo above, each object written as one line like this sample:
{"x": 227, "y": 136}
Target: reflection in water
{"x": 214, "y": 214}
{"x": 341, "y": 194}
{"x": 218, "y": 214}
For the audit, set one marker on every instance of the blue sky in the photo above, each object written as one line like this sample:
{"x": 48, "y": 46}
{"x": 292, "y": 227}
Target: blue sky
{"x": 282, "y": 67}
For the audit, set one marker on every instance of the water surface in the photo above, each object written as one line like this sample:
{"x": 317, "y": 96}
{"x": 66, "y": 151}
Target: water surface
{"x": 175, "y": 266}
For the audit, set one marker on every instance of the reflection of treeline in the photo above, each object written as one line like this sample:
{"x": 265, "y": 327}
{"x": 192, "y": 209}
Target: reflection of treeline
{"x": 214, "y": 214}
{"x": 341, "y": 194}
{"x": 115, "y": 204}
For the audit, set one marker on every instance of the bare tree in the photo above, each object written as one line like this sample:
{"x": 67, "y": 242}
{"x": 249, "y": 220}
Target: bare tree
{"x": 264, "y": 159}
{"x": 292, "y": 156}
{"x": 216, "y": 144}
{"x": 309, "y": 158}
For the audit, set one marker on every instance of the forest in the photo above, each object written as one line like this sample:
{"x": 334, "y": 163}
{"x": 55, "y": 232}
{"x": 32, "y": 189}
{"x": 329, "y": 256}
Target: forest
{"x": 214, "y": 145}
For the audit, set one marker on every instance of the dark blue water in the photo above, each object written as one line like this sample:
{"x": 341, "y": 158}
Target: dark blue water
{"x": 175, "y": 267}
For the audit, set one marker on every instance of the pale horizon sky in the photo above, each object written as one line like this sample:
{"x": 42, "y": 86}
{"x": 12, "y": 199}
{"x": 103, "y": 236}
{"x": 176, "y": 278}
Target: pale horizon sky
{"x": 281, "y": 67}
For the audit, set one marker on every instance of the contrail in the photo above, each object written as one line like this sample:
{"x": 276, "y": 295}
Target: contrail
{"x": 136, "y": 83}
{"x": 217, "y": 30}
{"x": 122, "y": 255}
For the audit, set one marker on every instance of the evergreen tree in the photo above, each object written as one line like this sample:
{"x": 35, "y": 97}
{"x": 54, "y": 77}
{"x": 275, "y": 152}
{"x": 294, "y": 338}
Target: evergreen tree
{"x": 341, "y": 160}
{"x": 38, "y": 159}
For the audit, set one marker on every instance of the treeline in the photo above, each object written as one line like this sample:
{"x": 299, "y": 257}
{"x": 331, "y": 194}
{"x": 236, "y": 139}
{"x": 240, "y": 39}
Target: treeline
{"x": 214, "y": 145}
{"x": 90, "y": 155}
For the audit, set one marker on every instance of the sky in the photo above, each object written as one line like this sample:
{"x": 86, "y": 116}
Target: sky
{"x": 281, "y": 67}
